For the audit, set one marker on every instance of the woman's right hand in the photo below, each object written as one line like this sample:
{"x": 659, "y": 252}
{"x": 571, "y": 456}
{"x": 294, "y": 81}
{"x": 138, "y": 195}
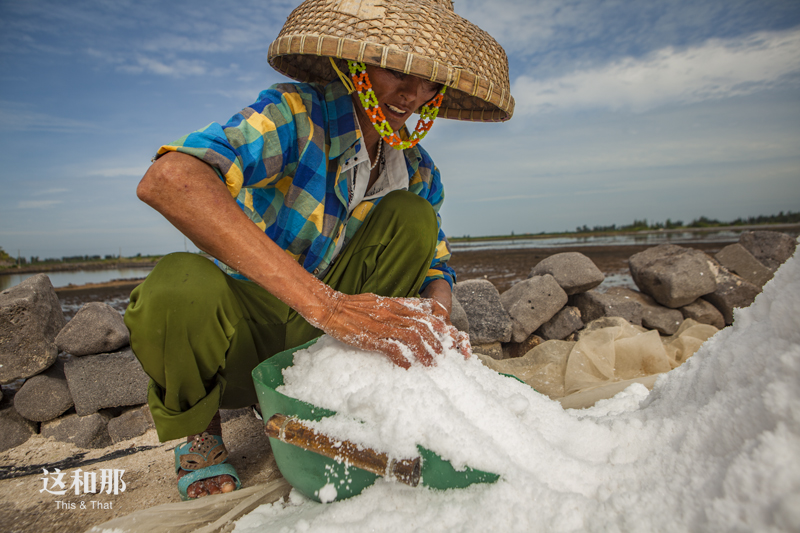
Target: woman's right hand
{"x": 395, "y": 327}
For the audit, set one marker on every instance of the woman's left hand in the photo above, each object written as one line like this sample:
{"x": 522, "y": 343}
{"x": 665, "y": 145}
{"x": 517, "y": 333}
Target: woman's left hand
{"x": 436, "y": 308}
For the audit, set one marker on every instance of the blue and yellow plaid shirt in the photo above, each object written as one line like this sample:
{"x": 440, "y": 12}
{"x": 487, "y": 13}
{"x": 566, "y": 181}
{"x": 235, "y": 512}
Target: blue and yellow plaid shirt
{"x": 282, "y": 159}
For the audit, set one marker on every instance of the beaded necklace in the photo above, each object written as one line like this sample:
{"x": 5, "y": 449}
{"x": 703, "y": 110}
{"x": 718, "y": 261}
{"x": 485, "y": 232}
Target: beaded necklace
{"x": 378, "y": 157}
{"x": 428, "y": 112}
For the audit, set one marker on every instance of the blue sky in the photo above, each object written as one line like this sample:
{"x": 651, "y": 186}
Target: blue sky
{"x": 625, "y": 110}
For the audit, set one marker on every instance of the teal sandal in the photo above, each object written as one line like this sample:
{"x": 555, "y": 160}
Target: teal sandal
{"x": 202, "y": 458}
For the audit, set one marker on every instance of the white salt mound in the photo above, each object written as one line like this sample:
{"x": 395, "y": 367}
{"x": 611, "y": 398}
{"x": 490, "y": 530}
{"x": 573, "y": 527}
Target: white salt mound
{"x": 714, "y": 447}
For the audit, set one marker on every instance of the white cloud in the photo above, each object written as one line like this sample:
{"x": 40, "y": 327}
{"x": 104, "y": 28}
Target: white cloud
{"x": 177, "y": 68}
{"x": 16, "y": 116}
{"x": 717, "y": 69}
{"x": 119, "y": 171}
{"x": 37, "y": 204}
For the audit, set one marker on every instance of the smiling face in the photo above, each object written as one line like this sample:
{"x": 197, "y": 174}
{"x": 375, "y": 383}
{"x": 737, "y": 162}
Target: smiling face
{"x": 399, "y": 95}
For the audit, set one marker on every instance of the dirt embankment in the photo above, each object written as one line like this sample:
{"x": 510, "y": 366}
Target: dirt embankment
{"x": 71, "y": 267}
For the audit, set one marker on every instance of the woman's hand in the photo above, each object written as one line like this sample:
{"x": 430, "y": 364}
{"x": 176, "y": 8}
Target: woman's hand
{"x": 459, "y": 337}
{"x": 440, "y": 295}
{"x": 404, "y": 329}
{"x": 397, "y": 327}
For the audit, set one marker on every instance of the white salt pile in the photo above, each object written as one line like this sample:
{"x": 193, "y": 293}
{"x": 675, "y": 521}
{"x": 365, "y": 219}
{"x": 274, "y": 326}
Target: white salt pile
{"x": 714, "y": 447}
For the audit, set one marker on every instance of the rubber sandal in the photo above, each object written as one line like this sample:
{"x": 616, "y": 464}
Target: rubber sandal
{"x": 203, "y": 458}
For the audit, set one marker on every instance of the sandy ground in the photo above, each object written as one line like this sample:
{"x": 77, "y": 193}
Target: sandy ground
{"x": 149, "y": 477}
{"x": 149, "y": 474}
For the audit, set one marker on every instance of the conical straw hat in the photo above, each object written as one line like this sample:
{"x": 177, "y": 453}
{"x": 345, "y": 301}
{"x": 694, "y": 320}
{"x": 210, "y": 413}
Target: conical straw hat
{"x": 424, "y": 38}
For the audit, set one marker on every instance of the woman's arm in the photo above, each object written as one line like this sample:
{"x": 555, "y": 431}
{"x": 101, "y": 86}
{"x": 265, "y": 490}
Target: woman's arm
{"x": 179, "y": 186}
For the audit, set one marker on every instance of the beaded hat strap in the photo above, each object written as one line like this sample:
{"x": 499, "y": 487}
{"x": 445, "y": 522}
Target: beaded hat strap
{"x": 428, "y": 112}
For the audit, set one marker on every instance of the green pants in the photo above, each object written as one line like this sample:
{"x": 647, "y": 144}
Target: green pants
{"x": 198, "y": 332}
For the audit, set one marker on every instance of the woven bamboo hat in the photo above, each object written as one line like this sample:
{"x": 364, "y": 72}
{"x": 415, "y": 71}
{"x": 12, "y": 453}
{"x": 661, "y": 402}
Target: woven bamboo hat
{"x": 424, "y": 38}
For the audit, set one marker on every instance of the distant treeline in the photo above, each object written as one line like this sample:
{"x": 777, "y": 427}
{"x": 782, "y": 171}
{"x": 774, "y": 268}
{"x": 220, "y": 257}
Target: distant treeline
{"x": 36, "y": 260}
{"x": 702, "y": 222}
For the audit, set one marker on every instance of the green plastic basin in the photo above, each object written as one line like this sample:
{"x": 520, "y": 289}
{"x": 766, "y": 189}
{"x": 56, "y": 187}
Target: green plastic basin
{"x": 309, "y": 472}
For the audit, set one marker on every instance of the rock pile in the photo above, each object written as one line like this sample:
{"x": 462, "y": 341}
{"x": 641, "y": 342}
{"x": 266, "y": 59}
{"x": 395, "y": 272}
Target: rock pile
{"x": 93, "y": 396}
{"x": 675, "y": 283}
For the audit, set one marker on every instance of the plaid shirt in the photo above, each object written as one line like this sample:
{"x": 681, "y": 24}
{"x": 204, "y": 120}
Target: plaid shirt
{"x": 281, "y": 158}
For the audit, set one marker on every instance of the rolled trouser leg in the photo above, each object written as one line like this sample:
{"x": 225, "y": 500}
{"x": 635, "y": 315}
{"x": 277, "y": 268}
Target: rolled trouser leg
{"x": 198, "y": 333}
{"x": 389, "y": 255}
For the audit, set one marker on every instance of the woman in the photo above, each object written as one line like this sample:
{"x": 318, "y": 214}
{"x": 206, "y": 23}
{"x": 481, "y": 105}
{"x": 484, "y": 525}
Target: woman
{"x": 320, "y": 208}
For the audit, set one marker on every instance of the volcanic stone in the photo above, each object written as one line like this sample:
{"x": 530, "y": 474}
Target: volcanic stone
{"x": 225, "y": 415}
{"x": 674, "y": 276}
{"x": 130, "y": 424}
{"x": 512, "y": 350}
{"x": 573, "y": 271}
{"x": 704, "y": 312}
{"x": 96, "y": 328}
{"x": 493, "y": 350}
{"x": 45, "y": 396}
{"x": 531, "y": 303}
{"x": 30, "y": 319}
{"x": 566, "y": 321}
{"x": 488, "y": 321}
{"x": 594, "y": 305}
{"x": 732, "y": 292}
{"x": 737, "y": 259}
{"x": 14, "y": 430}
{"x": 82, "y": 431}
{"x": 458, "y": 317}
{"x": 772, "y": 248}
{"x": 106, "y": 380}
{"x": 654, "y": 316}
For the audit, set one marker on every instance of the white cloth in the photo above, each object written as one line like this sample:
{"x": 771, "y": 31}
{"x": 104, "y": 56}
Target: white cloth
{"x": 393, "y": 177}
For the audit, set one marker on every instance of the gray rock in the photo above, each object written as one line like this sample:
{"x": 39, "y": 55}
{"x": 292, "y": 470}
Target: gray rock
{"x": 82, "y": 431}
{"x": 226, "y": 415}
{"x": 566, "y": 321}
{"x": 703, "y": 312}
{"x": 458, "y": 317}
{"x": 513, "y": 350}
{"x": 573, "y": 271}
{"x": 130, "y": 424}
{"x": 30, "y": 319}
{"x": 674, "y": 276}
{"x": 106, "y": 380}
{"x": 654, "y": 316}
{"x": 96, "y": 328}
{"x": 488, "y": 321}
{"x": 531, "y": 303}
{"x": 772, "y": 248}
{"x": 594, "y": 305}
{"x": 14, "y": 430}
{"x": 732, "y": 292}
{"x": 738, "y": 260}
{"x": 45, "y": 396}
{"x": 493, "y": 350}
